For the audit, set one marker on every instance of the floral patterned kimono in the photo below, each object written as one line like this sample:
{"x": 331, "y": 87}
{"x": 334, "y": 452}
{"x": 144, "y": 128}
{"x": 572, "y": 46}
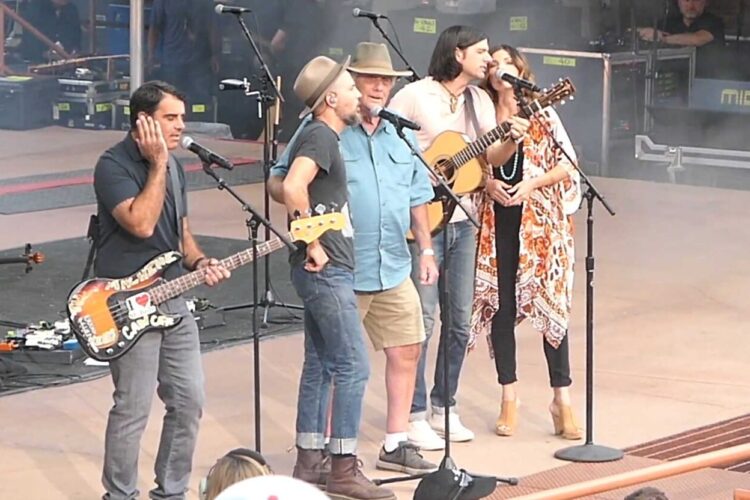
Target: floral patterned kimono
{"x": 544, "y": 282}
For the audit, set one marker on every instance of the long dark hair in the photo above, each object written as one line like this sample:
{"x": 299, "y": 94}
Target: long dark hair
{"x": 443, "y": 64}
{"x": 519, "y": 61}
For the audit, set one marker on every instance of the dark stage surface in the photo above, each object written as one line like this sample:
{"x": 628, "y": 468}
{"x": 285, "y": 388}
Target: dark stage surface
{"x": 41, "y": 295}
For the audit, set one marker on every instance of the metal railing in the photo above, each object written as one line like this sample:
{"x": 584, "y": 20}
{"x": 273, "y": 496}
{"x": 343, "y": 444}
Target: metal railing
{"x": 640, "y": 476}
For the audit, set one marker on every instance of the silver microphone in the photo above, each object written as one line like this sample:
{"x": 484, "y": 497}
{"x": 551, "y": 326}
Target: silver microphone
{"x": 205, "y": 154}
{"x": 395, "y": 119}
{"x": 234, "y": 84}
{"x": 230, "y": 9}
{"x": 357, "y": 12}
{"x": 517, "y": 82}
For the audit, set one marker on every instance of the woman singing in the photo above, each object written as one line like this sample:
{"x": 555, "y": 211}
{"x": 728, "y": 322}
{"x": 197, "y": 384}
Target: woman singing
{"x": 525, "y": 256}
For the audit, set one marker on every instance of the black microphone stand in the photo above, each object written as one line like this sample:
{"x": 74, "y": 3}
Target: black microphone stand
{"x": 449, "y": 201}
{"x": 588, "y": 452}
{"x": 252, "y": 223}
{"x": 266, "y": 95}
{"x": 414, "y": 76}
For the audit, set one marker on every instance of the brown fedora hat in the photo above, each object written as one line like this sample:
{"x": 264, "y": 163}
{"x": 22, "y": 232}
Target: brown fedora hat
{"x": 315, "y": 79}
{"x": 374, "y": 59}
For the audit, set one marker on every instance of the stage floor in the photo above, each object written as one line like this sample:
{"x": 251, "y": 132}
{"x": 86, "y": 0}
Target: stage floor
{"x": 672, "y": 288}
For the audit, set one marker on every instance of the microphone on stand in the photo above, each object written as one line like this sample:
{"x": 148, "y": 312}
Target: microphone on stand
{"x": 234, "y": 84}
{"x": 396, "y": 120}
{"x": 517, "y": 82}
{"x": 230, "y": 9}
{"x": 357, "y": 12}
{"x": 205, "y": 154}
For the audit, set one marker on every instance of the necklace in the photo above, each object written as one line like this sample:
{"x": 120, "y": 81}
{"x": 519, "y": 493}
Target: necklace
{"x": 453, "y": 98}
{"x": 515, "y": 167}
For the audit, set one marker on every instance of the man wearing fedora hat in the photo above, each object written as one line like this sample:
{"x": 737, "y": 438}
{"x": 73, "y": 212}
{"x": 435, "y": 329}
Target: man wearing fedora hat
{"x": 388, "y": 192}
{"x": 323, "y": 275}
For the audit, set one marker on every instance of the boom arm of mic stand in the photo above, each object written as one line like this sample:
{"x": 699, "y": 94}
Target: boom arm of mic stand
{"x": 263, "y": 65}
{"x": 222, "y": 185}
{"x": 594, "y": 191}
{"x": 414, "y": 76}
{"x": 441, "y": 182}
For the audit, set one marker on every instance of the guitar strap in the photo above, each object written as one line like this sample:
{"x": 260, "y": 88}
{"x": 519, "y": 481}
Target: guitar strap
{"x": 179, "y": 209}
{"x": 471, "y": 113}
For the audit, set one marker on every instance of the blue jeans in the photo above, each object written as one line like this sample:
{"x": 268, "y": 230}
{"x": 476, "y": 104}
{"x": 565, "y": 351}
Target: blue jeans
{"x": 460, "y": 293}
{"x": 334, "y": 352}
{"x": 168, "y": 361}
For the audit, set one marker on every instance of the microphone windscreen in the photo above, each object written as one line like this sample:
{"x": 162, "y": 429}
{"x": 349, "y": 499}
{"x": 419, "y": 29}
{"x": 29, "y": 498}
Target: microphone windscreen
{"x": 186, "y": 141}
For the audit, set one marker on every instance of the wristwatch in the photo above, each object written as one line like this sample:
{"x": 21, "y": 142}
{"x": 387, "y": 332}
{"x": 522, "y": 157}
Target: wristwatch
{"x": 427, "y": 251}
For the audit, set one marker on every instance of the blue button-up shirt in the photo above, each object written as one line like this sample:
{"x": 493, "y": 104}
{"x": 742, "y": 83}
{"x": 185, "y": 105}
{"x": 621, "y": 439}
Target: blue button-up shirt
{"x": 384, "y": 181}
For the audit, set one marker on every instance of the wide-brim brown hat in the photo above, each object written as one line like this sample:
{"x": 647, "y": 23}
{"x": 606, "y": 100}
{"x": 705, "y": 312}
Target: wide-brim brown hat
{"x": 374, "y": 59}
{"x": 315, "y": 79}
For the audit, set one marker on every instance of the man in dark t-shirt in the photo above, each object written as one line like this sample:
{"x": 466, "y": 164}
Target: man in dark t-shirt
{"x": 693, "y": 27}
{"x": 323, "y": 275}
{"x": 183, "y": 38}
{"x": 140, "y": 193}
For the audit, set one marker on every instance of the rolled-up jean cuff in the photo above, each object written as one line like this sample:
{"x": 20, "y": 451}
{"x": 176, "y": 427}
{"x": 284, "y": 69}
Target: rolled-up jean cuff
{"x": 417, "y": 416}
{"x": 311, "y": 440}
{"x": 346, "y": 446}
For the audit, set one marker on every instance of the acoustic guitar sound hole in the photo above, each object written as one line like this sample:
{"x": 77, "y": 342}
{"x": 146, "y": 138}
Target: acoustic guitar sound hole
{"x": 446, "y": 167}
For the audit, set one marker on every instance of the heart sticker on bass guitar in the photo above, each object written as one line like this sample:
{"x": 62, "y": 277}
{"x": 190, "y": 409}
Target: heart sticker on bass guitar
{"x": 139, "y": 305}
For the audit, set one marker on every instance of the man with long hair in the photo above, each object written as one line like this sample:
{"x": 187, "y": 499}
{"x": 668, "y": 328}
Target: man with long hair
{"x": 447, "y": 100}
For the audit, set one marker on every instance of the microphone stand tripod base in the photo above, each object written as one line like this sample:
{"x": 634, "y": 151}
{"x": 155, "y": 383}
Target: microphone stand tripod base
{"x": 589, "y": 453}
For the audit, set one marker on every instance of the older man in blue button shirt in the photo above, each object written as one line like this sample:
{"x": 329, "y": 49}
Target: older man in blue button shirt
{"x": 388, "y": 191}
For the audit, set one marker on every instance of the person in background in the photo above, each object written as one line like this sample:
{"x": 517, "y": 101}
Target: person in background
{"x": 525, "y": 257}
{"x": 184, "y": 43}
{"x": 692, "y": 27}
{"x": 58, "y": 20}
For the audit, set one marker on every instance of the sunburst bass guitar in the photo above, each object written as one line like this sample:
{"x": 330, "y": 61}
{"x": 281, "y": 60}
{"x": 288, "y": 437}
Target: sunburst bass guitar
{"x": 108, "y": 316}
{"x": 460, "y": 162}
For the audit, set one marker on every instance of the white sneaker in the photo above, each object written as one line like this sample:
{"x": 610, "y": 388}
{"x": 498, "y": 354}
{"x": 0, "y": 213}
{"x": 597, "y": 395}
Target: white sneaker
{"x": 421, "y": 434}
{"x": 459, "y": 433}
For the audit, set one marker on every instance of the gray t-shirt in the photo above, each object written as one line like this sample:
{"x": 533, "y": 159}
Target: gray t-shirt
{"x": 121, "y": 173}
{"x": 320, "y": 143}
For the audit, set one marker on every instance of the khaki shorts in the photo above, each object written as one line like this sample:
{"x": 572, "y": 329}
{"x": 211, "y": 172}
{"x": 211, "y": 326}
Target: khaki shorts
{"x": 392, "y": 317}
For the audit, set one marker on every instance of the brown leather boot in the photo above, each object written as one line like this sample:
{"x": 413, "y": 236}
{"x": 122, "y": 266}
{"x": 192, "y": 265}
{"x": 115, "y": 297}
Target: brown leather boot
{"x": 313, "y": 466}
{"x": 346, "y": 482}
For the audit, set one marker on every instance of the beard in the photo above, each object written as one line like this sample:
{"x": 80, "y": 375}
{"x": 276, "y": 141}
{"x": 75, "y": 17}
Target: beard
{"x": 352, "y": 119}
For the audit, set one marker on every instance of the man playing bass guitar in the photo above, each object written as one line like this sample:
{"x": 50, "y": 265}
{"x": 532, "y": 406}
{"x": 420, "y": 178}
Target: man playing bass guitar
{"x": 142, "y": 206}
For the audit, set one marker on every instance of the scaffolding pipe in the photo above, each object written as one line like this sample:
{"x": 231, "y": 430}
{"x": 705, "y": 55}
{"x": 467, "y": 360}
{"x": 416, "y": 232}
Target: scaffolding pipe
{"x": 640, "y": 476}
{"x": 136, "y": 44}
{"x": 2, "y": 42}
{"x": 38, "y": 34}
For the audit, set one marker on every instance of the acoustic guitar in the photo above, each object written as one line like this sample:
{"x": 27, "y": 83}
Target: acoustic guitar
{"x": 460, "y": 162}
{"x": 108, "y": 316}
